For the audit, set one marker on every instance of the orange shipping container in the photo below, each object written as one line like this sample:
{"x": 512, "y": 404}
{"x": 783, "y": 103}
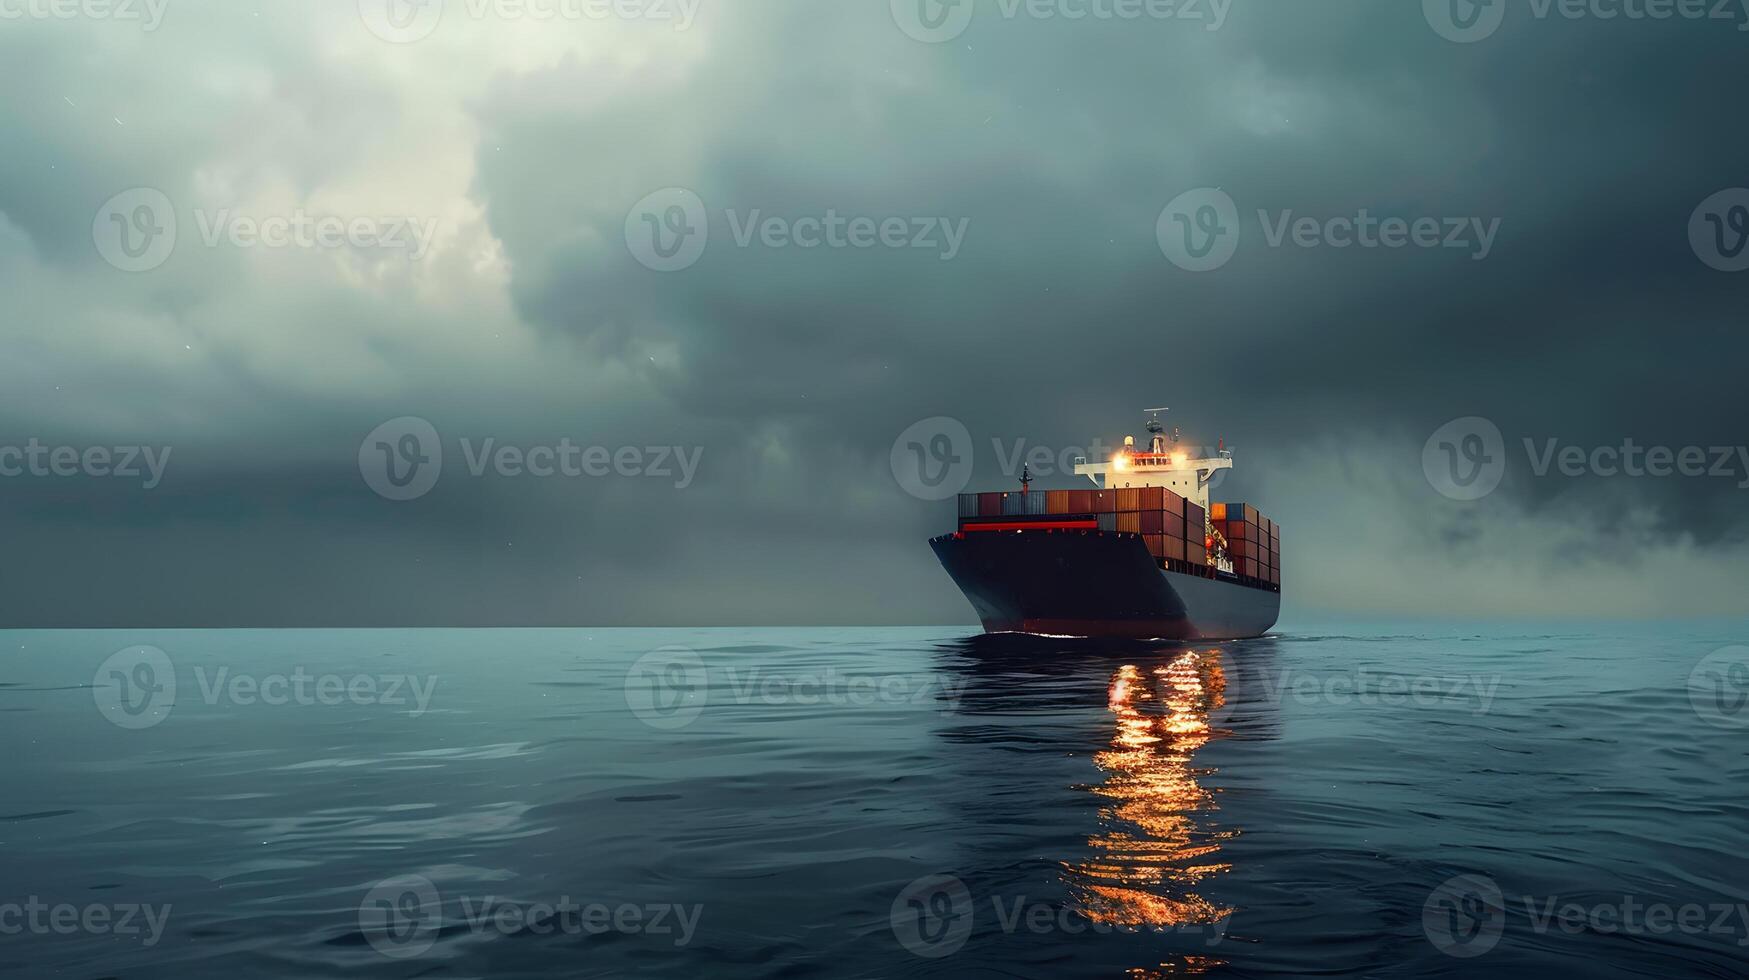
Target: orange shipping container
{"x": 1217, "y": 512}
{"x": 1156, "y": 545}
{"x": 1150, "y": 498}
{"x": 1057, "y": 502}
{"x": 1129, "y": 523}
{"x": 1129, "y": 499}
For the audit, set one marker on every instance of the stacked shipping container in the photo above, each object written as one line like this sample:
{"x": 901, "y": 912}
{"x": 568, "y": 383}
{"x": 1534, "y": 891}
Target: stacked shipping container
{"x": 1253, "y": 541}
{"x": 1174, "y": 529}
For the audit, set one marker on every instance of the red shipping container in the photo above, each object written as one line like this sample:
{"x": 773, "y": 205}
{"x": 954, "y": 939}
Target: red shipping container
{"x": 1195, "y": 552}
{"x": 1172, "y": 503}
{"x": 1196, "y": 518}
{"x": 1105, "y": 501}
{"x": 1080, "y": 502}
{"x": 1174, "y": 549}
{"x": 1156, "y": 544}
{"x": 1057, "y": 502}
{"x": 1153, "y": 522}
{"x": 1240, "y": 531}
{"x": 1129, "y": 500}
{"x": 1175, "y": 527}
{"x": 989, "y": 505}
{"x": 1150, "y": 498}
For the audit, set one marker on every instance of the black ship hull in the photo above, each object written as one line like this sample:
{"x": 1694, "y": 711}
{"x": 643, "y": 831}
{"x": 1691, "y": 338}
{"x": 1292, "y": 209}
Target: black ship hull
{"x": 1092, "y": 583}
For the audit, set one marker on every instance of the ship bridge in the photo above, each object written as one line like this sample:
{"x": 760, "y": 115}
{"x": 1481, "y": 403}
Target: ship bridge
{"x": 1164, "y": 464}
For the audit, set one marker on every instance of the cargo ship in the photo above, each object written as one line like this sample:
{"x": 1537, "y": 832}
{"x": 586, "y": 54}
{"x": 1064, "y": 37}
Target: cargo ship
{"x": 1145, "y": 555}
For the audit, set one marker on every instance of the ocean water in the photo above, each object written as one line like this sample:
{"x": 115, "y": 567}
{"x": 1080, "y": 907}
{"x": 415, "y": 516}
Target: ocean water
{"x": 1354, "y": 800}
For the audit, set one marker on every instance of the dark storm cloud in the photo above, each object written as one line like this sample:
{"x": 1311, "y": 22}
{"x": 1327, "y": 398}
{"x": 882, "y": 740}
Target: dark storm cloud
{"x": 1057, "y": 144}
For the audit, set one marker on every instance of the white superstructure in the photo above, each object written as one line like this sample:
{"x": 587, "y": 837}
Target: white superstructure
{"x": 1164, "y": 464}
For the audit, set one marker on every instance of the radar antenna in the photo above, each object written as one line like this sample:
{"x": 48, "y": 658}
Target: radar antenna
{"x": 1155, "y": 428}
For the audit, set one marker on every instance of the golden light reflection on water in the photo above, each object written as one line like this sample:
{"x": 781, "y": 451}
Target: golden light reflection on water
{"x": 1158, "y": 845}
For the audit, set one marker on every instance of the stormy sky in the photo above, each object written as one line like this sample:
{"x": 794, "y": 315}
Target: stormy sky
{"x": 775, "y": 235}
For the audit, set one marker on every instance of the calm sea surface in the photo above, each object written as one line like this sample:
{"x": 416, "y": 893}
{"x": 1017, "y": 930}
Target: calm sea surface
{"x": 1333, "y": 800}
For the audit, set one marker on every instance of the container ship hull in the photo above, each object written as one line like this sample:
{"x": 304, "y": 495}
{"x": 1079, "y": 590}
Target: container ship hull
{"x": 1096, "y": 583}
